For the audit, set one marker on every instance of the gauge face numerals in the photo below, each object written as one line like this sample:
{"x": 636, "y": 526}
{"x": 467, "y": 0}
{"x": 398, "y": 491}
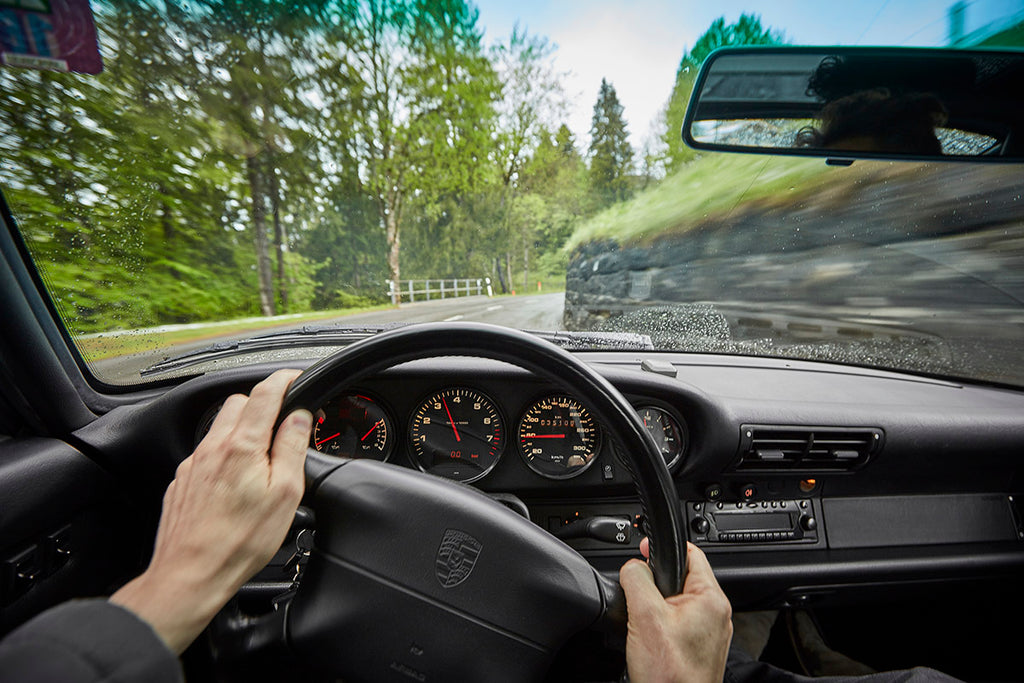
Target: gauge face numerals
{"x": 671, "y": 439}
{"x": 558, "y": 437}
{"x": 353, "y": 426}
{"x": 457, "y": 433}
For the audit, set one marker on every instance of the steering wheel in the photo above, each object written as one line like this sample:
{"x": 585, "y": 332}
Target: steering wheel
{"x": 414, "y": 576}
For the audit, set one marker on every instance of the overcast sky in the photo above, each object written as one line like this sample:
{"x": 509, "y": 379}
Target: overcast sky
{"x": 637, "y": 45}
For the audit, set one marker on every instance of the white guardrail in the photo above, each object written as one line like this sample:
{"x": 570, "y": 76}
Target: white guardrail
{"x": 423, "y": 290}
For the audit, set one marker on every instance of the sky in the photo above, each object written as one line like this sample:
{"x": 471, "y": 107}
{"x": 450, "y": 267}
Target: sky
{"x": 637, "y": 45}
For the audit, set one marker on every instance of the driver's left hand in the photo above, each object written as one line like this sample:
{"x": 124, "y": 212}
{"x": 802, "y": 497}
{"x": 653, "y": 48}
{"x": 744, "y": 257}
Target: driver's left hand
{"x": 224, "y": 516}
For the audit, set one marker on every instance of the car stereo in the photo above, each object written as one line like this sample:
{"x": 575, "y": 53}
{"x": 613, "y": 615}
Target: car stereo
{"x": 763, "y": 522}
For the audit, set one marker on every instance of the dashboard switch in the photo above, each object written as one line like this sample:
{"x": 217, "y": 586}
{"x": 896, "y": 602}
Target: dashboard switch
{"x": 748, "y": 491}
{"x": 617, "y": 530}
{"x": 808, "y": 523}
{"x": 713, "y": 491}
{"x": 700, "y": 525}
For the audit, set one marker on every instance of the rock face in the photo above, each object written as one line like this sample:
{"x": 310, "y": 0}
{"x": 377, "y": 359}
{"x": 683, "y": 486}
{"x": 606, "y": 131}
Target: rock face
{"x": 924, "y": 238}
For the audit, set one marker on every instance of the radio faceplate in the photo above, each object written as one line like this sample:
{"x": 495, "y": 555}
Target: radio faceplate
{"x": 762, "y": 522}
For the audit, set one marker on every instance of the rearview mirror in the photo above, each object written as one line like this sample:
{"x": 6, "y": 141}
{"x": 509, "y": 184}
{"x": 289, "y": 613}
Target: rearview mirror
{"x": 860, "y": 103}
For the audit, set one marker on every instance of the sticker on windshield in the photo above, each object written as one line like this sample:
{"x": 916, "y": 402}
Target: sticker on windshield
{"x": 55, "y": 35}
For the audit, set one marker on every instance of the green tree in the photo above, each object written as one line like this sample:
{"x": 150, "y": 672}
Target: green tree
{"x": 746, "y": 31}
{"x": 532, "y": 98}
{"x": 250, "y": 81}
{"x": 611, "y": 155}
{"x": 424, "y": 105}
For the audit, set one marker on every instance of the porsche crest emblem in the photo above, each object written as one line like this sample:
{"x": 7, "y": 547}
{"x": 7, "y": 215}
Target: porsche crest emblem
{"x": 456, "y": 557}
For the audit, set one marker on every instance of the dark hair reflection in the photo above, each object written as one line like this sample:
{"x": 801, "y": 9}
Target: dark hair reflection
{"x": 876, "y": 121}
{"x": 859, "y": 115}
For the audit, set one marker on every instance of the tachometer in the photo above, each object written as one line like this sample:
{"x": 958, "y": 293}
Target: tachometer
{"x": 558, "y": 438}
{"x": 353, "y": 426}
{"x": 457, "y": 433}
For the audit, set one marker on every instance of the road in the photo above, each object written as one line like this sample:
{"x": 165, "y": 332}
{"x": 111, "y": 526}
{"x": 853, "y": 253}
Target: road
{"x": 537, "y": 312}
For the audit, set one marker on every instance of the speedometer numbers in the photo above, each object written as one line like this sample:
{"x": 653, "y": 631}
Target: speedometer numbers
{"x": 558, "y": 437}
{"x": 457, "y": 433}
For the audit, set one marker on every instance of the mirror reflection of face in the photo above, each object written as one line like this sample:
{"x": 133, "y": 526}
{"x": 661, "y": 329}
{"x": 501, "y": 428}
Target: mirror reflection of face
{"x": 877, "y": 121}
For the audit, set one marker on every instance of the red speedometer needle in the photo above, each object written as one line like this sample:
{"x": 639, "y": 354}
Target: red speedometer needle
{"x": 547, "y": 436}
{"x": 450, "y": 420}
{"x": 375, "y": 424}
{"x": 328, "y": 438}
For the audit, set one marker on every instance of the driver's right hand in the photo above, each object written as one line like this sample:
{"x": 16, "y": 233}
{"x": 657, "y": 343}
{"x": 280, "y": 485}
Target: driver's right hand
{"x": 684, "y": 637}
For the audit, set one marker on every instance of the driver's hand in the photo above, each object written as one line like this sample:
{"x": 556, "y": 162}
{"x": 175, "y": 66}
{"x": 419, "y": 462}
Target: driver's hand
{"x": 224, "y": 516}
{"x": 681, "y": 638}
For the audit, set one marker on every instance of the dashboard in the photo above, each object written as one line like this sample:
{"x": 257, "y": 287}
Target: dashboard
{"x": 800, "y": 480}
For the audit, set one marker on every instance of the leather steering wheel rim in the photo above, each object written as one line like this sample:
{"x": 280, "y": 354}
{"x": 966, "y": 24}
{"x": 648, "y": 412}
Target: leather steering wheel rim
{"x": 662, "y": 517}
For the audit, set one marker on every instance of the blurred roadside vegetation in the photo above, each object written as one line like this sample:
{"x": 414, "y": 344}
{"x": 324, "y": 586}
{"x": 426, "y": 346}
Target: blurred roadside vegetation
{"x": 260, "y": 157}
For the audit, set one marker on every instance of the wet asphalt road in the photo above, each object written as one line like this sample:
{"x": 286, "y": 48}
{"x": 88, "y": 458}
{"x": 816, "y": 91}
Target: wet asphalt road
{"x": 537, "y": 312}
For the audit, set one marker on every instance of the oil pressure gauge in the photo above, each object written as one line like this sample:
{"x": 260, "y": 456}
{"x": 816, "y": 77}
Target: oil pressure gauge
{"x": 353, "y": 426}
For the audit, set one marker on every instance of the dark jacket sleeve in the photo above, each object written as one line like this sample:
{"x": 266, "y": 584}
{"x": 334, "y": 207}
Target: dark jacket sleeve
{"x": 85, "y": 641}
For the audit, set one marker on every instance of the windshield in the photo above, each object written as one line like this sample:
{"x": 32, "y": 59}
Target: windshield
{"x": 240, "y": 169}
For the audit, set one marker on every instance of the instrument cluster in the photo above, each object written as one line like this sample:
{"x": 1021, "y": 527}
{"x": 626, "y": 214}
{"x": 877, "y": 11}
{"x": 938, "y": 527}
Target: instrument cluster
{"x": 461, "y": 433}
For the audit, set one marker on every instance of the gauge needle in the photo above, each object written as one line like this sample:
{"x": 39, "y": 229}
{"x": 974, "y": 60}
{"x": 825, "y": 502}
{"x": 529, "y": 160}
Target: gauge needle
{"x": 450, "y": 420}
{"x": 547, "y": 436}
{"x": 328, "y": 438}
{"x": 375, "y": 425}
{"x": 579, "y": 427}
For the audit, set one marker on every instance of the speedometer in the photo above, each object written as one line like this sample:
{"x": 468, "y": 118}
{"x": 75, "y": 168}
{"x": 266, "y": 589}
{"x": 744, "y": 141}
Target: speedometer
{"x": 457, "y": 433}
{"x": 558, "y": 437}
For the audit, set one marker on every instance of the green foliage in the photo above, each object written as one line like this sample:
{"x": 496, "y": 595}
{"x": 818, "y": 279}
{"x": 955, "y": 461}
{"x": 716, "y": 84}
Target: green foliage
{"x": 239, "y": 157}
{"x": 746, "y": 31}
{"x": 611, "y": 156}
{"x": 699, "y": 190}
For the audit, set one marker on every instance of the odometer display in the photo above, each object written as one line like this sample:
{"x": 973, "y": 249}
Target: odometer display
{"x": 457, "y": 433}
{"x": 558, "y": 437}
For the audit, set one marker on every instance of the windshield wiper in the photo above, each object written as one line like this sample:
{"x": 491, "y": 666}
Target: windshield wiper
{"x": 305, "y": 336}
{"x": 330, "y": 335}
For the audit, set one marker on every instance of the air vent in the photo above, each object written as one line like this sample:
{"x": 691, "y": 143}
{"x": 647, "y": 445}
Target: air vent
{"x": 766, "y": 448}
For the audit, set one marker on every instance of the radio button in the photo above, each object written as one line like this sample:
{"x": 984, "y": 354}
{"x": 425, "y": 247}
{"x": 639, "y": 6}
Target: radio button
{"x": 808, "y": 523}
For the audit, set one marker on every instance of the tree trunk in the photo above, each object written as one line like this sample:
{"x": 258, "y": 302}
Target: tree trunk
{"x": 501, "y": 276}
{"x": 259, "y": 226}
{"x": 508, "y": 267}
{"x": 526, "y": 267}
{"x": 394, "y": 246}
{"x": 279, "y": 237}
